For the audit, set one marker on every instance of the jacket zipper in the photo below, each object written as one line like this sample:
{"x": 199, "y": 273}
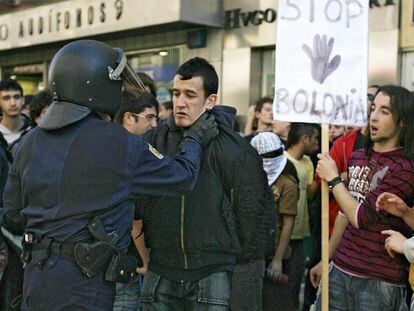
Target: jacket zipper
{"x": 182, "y": 232}
{"x": 231, "y": 197}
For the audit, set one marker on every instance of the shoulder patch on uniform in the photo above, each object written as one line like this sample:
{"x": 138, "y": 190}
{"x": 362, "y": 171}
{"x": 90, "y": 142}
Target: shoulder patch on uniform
{"x": 155, "y": 152}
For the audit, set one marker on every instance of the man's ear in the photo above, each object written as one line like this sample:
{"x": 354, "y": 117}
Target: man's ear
{"x": 126, "y": 119}
{"x": 305, "y": 139}
{"x": 211, "y": 101}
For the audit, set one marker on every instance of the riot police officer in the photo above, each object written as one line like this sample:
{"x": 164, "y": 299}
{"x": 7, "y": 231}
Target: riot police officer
{"x": 75, "y": 178}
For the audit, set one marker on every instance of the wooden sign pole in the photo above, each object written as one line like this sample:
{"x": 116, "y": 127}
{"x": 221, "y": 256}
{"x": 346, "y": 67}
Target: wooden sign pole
{"x": 325, "y": 226}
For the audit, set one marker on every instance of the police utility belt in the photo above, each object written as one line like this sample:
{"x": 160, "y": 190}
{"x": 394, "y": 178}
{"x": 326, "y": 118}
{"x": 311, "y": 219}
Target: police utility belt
{"x": 93, "y": 258}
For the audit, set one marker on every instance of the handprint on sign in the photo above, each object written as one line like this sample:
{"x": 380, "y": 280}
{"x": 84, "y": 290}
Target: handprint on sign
{"x": 321, "y": 67}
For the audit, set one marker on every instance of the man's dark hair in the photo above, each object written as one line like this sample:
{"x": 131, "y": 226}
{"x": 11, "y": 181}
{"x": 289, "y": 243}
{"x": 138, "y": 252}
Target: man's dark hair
{"x": 372, "y": 96}
{"x": 261, "y": 101}
{"x": 199, "y": 67}
{"x": 136, "y": 105}
{"x": 27, "y": 101}
{"x": 10, "y": 84}
{"x": 167, "y": 105}
{"x": 402, "y": 108}
{"x": 39, "y": 101}
{"x": 297, "y": 130}
{"x": 148, "y": 82}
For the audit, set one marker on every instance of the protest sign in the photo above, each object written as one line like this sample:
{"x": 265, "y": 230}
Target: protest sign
{"x": 321, "y": 76}
{"x": 321, "y": 62}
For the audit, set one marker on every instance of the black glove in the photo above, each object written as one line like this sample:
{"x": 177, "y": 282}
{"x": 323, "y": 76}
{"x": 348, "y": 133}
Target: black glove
{"x": 202, "y": 131}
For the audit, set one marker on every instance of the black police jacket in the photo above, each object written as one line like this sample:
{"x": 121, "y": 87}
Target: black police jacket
{"x": 227, "y": 215}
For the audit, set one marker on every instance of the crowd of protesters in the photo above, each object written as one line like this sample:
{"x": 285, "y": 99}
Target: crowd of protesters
{"x": 247, "y": 236}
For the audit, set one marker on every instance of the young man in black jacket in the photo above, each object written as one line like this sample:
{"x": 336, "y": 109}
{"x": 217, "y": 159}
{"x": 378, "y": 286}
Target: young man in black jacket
{"x": 196, "y": 238}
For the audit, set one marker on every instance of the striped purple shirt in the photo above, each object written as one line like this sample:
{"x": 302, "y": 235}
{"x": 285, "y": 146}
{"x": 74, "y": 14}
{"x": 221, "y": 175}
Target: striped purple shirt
{"x": 362, "y": 251}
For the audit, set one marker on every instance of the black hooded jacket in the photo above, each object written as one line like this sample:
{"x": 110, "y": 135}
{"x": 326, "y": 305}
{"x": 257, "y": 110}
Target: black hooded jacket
{"x": 5, "y": 160}
{"x": 228, "y": 214}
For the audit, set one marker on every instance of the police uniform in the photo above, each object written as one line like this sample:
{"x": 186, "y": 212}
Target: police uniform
{"x": 76, "y": 167}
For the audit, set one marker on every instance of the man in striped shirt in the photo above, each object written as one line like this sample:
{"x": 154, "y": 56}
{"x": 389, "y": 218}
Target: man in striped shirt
{"x": 363, "y": 275}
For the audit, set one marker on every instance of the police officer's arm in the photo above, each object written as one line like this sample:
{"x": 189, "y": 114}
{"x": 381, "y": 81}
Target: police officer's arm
{"x": 155, "y": 174}
{"x": 13, "y": 220}
{"x": 161, "y": 175}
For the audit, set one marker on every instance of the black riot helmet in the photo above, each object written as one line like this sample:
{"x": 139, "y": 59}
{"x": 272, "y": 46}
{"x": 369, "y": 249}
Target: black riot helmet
{"x": 87, "y": 75}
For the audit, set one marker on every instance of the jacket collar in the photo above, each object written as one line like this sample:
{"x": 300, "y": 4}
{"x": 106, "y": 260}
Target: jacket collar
{"x": 171, "y": 123}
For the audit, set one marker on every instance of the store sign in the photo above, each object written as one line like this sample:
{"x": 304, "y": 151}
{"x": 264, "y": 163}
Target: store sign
{"x": 237, "y": 18}
{"x": 78, "y": 18}
{"x": 321, "y": 61}
{"x": 25, "y": 69}
{"x": 62, "y": 19}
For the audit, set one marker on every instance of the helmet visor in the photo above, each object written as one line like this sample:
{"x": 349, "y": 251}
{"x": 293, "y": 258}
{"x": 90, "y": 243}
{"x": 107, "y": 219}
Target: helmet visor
{"x": 131, "y": 81}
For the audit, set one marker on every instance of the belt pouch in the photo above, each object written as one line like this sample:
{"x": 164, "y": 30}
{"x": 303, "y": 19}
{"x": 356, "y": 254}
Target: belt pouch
{"x": 122, "y": 268}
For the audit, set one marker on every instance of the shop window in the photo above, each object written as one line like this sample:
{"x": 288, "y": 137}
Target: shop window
{"x": 268, "y": 73}
{"x": 30, "y": 77}
{"x": 407, "y": 77}
{"x": 160, "y": 65}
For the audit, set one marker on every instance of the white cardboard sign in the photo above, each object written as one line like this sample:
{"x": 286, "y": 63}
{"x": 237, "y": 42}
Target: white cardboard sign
{"x": 322, "y": 62}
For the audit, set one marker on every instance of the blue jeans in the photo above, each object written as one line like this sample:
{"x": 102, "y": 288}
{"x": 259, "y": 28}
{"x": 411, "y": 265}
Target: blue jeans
{"x": 347, "y": 292}
{"x": 127, "y": 295}
{"x": 209, "y": 294}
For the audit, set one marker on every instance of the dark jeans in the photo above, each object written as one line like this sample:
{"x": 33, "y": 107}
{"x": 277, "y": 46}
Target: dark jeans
{"x": 65, "y": 287}
{"x": 209, "y": 294}
{"x": 412, "y": 303}
{"x": 296, "y": 268}
{"x": 276, "y": 295}
{"x": 315, "y": 226}
{"x": 350, "y": 293}
{"x": 310, "y": 291}
{"x": 11, "y": 285}
{"x": 247, "y": 284}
